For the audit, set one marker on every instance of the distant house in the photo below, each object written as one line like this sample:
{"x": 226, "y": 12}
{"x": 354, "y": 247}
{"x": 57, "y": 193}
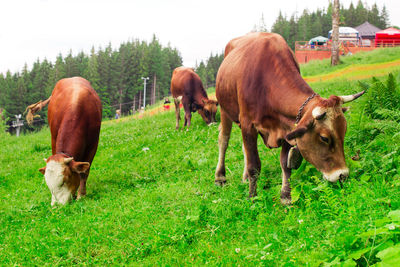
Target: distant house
{"x": 347, "y": 35}
{"x": 387, "y": 38}
{"x": 367, "y": 33}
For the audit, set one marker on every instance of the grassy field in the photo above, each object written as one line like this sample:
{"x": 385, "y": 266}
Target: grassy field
{"x": 152, "y": 199}
{"x": 319, "y": 67}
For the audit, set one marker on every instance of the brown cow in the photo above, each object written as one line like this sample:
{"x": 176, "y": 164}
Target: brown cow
{"x": 260, "y": 88}
{"x": 186, "y": 85}
{"x": 74, "y": 117}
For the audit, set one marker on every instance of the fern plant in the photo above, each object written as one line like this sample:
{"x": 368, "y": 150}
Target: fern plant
{"x": 381, "y": 96}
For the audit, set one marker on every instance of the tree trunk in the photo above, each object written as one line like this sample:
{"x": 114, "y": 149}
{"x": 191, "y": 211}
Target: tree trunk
{"x": 120, "y": 100}
{"x": 335, "y": 33}
{"x": 140, "y": 99}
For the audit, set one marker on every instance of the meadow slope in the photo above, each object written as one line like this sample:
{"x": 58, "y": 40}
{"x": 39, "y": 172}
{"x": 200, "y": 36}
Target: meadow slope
{"x": 152, "y": 199}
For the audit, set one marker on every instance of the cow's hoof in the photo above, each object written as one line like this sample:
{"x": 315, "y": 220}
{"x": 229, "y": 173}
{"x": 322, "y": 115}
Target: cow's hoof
{"x": 245, "y": 178}
{"x": 80, "y": 196}
{"x": 220, "y": 181}
{"x": 286, "y": 201}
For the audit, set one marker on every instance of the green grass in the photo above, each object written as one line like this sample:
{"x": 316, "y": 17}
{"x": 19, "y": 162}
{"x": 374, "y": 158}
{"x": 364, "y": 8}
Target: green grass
{"x": 161, "y": 207}
{"x": 317, "y": 67}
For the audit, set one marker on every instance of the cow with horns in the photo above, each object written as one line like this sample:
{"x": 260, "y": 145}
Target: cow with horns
{"x": 260, "y": 88}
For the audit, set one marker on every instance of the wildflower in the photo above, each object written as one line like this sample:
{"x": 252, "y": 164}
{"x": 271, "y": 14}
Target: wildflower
{"x": 237, "y": 250}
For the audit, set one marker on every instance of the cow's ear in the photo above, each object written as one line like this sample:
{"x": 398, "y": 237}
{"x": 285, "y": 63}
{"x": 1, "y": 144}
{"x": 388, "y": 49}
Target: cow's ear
{"x": 80, "y": 167}
{"x": 42, "y": 170}
{"x": 298, "y": 132}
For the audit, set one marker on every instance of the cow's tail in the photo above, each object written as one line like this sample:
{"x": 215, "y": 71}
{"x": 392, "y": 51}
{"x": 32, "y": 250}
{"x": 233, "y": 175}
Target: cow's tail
{"x": 32, "y": 109}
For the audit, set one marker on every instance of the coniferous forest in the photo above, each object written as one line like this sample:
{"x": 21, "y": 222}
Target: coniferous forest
{"x": 116, "y": 75}
{"x": 311, "y": 24}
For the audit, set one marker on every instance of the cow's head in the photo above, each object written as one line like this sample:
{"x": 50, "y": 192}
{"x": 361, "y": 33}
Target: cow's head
{"x": 62, "y": 175}
{"x": 320, "y": 136}
{"x": 209, "y": 110}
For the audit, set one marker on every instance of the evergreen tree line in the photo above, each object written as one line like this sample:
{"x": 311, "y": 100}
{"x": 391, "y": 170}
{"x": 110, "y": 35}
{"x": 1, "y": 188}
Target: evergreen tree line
{"x": 114, "y": 74}
{"x": 319, "y": 22}
{"x": 208, "y": 69}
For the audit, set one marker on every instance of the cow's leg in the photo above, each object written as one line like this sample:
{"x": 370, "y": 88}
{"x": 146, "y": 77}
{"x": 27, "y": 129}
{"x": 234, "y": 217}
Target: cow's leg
{"x": 245, "y": 176}
{"x": 253, "y": 163}
{"x": 84, "y": 176}
{"x": 188, "y": 114}
{"x": 225, "y": 128}
{"x": 177, "y": 112}
{"x": 82, "y": 185}
{"x": 286, "y": 172}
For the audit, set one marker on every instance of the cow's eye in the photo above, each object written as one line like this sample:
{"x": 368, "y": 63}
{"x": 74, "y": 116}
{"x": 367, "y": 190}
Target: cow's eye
{"x": 324, "y": 139}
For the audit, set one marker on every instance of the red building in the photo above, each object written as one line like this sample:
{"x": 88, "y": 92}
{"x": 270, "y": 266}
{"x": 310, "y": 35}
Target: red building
{"x": 387, "y": 38}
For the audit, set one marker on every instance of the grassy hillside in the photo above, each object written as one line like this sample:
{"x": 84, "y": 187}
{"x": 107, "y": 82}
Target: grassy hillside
{"x": 318, "y": 67}
{"x": 159, "y": 206}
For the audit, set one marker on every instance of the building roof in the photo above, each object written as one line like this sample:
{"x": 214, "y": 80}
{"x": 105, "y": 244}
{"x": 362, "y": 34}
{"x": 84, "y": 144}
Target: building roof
{"x": 346, "y": 30}
{"x": 319, "y": 39}
{"x": 367, "y": 29}
{"x": 390, "y": 31}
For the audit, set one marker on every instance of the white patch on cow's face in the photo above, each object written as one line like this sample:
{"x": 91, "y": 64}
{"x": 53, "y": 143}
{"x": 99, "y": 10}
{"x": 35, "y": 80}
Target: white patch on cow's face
{"x": 335, "y": 175}
{"x": 54, "y": 177}
{"x": 317, "y": 111}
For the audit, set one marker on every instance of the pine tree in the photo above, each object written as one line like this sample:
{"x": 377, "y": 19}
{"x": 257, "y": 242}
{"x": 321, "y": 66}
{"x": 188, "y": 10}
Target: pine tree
{"x": 384, "y": 18}
{"x": 360, "y": 14}
{"x": 71, "y": 66}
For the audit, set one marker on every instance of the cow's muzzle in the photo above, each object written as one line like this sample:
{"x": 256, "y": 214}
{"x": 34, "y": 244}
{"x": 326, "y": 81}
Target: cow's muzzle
{"x": 336, "y": 175}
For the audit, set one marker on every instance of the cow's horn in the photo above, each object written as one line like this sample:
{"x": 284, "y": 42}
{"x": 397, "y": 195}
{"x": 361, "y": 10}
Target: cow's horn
{"x": 68, "y": 160}
{"x": 348, "y": 98}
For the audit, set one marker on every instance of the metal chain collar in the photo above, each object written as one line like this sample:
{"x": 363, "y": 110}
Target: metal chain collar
{"x": 298, "y": 117}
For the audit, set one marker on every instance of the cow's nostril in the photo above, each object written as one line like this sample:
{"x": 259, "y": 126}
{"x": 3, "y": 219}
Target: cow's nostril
{"x": 343, "y": 177}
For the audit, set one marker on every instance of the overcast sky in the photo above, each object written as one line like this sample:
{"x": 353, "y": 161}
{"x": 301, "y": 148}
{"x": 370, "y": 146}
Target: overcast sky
{"x": 32, "y": 29}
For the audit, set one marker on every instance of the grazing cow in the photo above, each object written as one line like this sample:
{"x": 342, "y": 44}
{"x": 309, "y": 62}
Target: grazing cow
{"x": 260, "y": 88}
{"x": 74, "y": 117}
{"x": 186, "y": 85}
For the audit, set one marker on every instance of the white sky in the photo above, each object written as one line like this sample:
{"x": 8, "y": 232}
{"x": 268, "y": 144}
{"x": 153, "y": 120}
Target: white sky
{"x": 32, "y": 29}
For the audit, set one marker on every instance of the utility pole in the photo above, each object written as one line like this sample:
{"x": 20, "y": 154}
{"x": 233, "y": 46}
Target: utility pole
{"x": 140, "y": 100}
{"x": 144, "y": 91}
{"x": 18, "y": 124}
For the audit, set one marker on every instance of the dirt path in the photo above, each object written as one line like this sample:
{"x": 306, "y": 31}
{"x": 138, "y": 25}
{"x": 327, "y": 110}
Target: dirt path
{"x": 357, "y": 72}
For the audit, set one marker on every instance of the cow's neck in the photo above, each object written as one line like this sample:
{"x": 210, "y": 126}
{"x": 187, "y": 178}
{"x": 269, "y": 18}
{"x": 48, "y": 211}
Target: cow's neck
{"x": 200, "y": 98}
{"x": 293, "y": 98}
{"x": 285, "y": 105}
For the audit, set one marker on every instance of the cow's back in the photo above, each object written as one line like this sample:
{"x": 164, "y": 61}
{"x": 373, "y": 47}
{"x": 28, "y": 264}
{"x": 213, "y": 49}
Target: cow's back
{"x": 186, "y": 81}
{"x": 256, "y": 71}
{"x": 74, "y": 116}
